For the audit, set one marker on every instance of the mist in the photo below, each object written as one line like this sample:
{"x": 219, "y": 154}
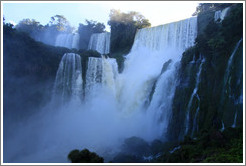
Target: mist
{"x": 112, "y": 111}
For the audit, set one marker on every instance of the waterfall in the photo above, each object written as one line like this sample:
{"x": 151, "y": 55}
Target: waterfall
{"x": 162, "y": 98}
{"x": 100, "y": 42}
{"x": 235, "y": 120}
{"x": 157, "y": 45}
{"x": 228, "y": 68}
{"x": 179, "y": 35}
{"x": 110, "y": 74}
{"x": 101, "y": 73}
{"x": 194, "y": 93}
{"x": 226, "y": 76}
{"x": 68, "y": 40}
{"x": 220, "y": 15}
{"x": 223, "y": 127}
{"x": 93, "y": 75}
{"x": 195, "y": 125}
{"x": 68, "y": 82}
{"x": 116, "y": 105}
{"x": 123, "y": 98}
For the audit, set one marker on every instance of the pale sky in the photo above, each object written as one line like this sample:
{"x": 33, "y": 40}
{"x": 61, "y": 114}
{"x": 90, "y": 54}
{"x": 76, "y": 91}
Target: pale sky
{"x": 158, "y": 12}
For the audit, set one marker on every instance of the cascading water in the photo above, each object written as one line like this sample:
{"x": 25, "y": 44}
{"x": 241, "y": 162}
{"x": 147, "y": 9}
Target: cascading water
{"x": 101, "y": 73}
{"x": 68, "y": 82}
{"x": 235, "y": 120}
{"x": 116, "y": 105}
{"x": 68, "y": 40}
{"x": 220, "y": 15}
{"x": 156, "y": 45}
{"x": 194, "y": 93}
{"x": 164, "y": 91}
{"x": 195, "y": 125}
{"x": 100, "y": 42}
{"x": 93, "y": 75}
{"x": 228, "y": 68}
{"x": 110, "y": 74}
{"x": 223, "y": 127}
{"x": 227, "y": 80}
{"x": 179, "y": 35}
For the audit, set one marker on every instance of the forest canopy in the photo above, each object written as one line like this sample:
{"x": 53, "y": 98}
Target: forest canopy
{"x": 123, "y": 29}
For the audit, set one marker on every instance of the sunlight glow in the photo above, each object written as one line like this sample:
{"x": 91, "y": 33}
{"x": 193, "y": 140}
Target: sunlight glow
{"x": 158, "y": 12}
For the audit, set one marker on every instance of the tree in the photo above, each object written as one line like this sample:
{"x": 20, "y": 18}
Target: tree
{"x": 132, "y": 17}
{"x": 86, "y": 30}
{"x": 84, "y": 156}
{"x": 123, "y": 29}
{"x": 202, "y": 7}
{"x": 61, "y": 23}
{"x": 29, "y": 26}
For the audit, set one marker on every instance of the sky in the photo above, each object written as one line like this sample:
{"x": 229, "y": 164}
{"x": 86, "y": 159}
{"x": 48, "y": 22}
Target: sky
{"x": 158, "y": 12}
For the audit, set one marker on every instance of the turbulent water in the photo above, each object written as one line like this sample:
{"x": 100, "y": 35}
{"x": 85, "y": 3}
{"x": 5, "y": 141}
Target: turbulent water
{"x": 101, "y": 73}
{"x": 116, "y": 105}
{"x": 165, "y": 49}
{"x": 100, "y": 42}
{"x": 68, "y": 82}
{"x": 67, "y": 40}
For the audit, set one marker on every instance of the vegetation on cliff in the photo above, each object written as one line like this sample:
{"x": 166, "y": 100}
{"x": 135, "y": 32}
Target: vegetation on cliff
{"x": 211, "y": 147}
{"x": 218, "y": 93}
{"x": 123, "y": 29}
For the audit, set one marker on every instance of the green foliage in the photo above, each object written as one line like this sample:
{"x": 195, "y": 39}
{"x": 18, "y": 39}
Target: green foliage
{"x": 84, "y": 156}
{"x": 205, "y": 7}
{"x": 233, "y": 24}
{"x": 211, "y": 147}
{"x": 31, "y": 55}
{"x": 136, "y": 146}
{"x": 29, "y": 26}
{"x": 215, "y": 42}
{"x": 47, "y": 33}
{"x": 217, "y": 37}
{"x": 32, "y": 27}
{"x": 126, "y": 158}
{"x": 86, "y": 30}
{"x": 61, "y": 23}
{"x": 27, "y": 65}
{"x": 131, "y": 17}
{"x": 123, "y": 29}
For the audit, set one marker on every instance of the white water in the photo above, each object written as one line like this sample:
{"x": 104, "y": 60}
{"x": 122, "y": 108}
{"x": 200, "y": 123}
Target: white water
{"x": 195, "y": 125}
{"x": 68, "y": 40}
{"x": 116, "y": 105}
{"x": 221, "y": 14}
{"x": 174, "y": 149}
{"x": 235, "y": 120}
{"x": 179, "y": 35}
{"x": 110, "y": 74}
{"x": 226, "y": 77}
{"x": 68, "y": 82}
{"x": 93, "y": 75}
{"x": 194, "y": 93}
{"x": 101, "y": 73}
{"x": 223, "y": 127}
{"x": 100, "y": 42}
{"x": 228, "y": 68}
